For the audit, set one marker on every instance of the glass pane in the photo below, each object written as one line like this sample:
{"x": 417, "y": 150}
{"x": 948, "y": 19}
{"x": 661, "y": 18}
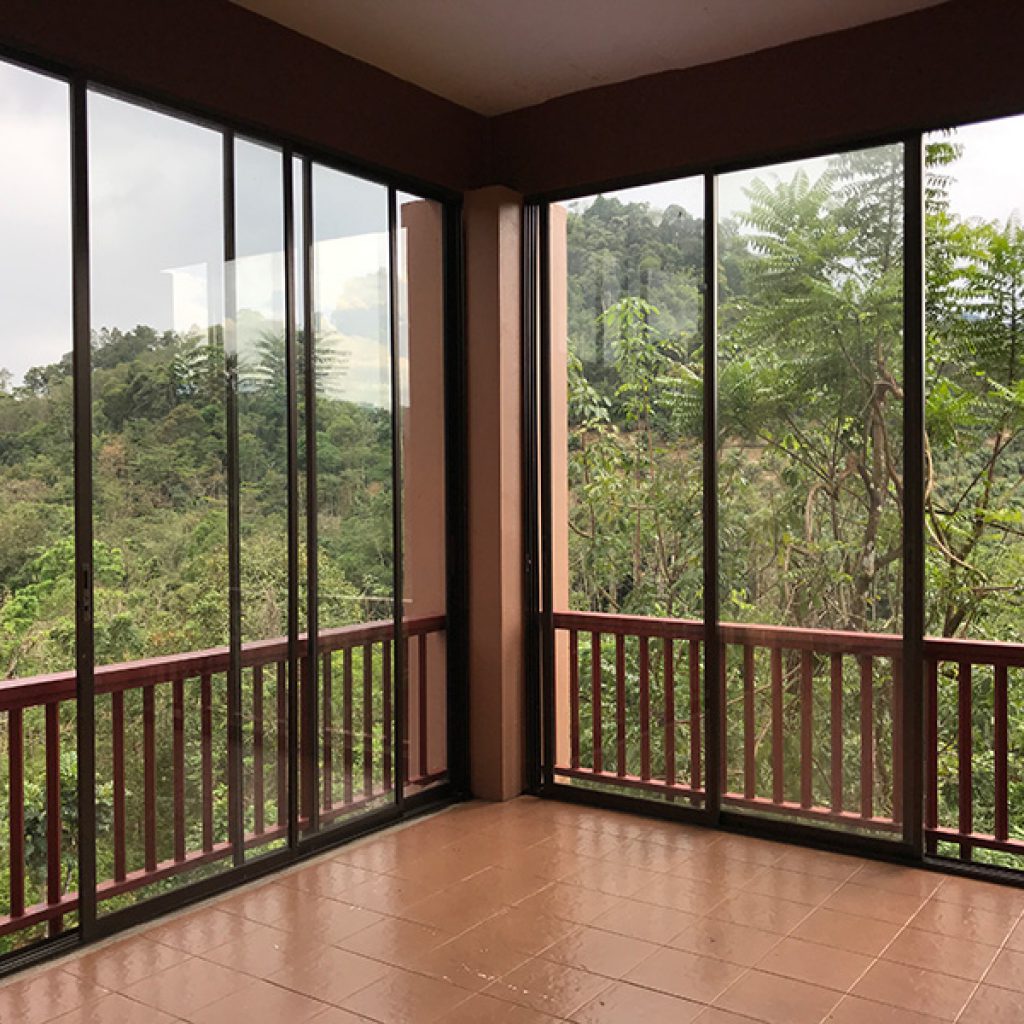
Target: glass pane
{"x": 626, "y": 448}
{"x": 810, "y": 486}
{"x": 259, "y": 335}
{"x": 974, "y": 509}
{"x": 38, "y": 776}
{"x": 160, "y": 506}
{"x": 420, "y": 287}
{"x": 355, "y": 564}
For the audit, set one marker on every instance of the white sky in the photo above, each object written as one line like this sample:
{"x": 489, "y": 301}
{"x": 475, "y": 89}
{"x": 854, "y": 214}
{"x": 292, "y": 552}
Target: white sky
{"x": 157, "y": 237}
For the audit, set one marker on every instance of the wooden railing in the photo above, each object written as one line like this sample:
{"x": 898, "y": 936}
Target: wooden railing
{"x": 812, "y": 723}
{"x": 162, "y": 775}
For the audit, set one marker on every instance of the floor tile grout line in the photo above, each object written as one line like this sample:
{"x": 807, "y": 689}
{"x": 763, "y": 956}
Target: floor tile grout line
{"x": 988, "y": 970}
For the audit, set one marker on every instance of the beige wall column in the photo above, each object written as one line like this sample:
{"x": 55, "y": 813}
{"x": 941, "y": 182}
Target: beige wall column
{"x": 493, "y": 219}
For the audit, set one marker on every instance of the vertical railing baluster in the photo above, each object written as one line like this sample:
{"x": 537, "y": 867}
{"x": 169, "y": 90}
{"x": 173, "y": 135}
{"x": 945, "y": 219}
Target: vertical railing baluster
{"x": 668, "y": 688}
{"x": 281, "y": 733}
{"x": 931, "y": 718}
{"x": 120, "y": 790}
{"x": 386, "y": 712}
{"x": 54, "y": 825}
{"x": 965, "y": 757}
{"x": 695, "y": 716}
{"x": 367, "y": 719}
{"x": 867, "y": 737}
{"x": 206, "y": 758}
{"x": 897, "y": 739}
{"x": 326, "y": 715}
{"x": 16, "y": 808}
{"x": 178, "y": 766}
{"x": 836, "y": 705}
{"x": 574, "y": 699}
{"x": 749, "y": 763}
{"x": 620, "y": 704}
{"x": 778, "y": 762}
{"x": 424, "y": 719}
{"x": 346, "y": 711}
{"x": 645, "y": 709}
{"x": 257, "y": 750}
{"x": 1000, "y": 728}
{"x": 806, "y": 728}
{"x": 595, "y": 700}
{"x": 149, "y": 774}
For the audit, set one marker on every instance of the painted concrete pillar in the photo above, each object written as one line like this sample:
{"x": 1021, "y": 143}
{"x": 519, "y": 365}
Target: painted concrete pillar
{"x": 493, "y": 220}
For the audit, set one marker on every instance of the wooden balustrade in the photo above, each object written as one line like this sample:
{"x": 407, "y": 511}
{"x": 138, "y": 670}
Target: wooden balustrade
{"x": 177, "y": 819}
{"x": 785, "y": 693}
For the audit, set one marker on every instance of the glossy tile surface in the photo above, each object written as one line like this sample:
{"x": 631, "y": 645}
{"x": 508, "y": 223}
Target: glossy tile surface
{"x": 537, "y": 912}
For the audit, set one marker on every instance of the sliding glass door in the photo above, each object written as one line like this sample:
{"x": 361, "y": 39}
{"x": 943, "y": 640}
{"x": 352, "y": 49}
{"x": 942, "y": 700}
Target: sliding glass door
{"x": 218, "y": 357}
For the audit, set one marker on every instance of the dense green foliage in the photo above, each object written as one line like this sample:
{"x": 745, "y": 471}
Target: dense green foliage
{"x": 810, "y": 445}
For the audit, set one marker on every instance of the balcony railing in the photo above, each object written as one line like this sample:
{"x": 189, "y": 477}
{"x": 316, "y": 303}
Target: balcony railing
{"x": 812, "y": 723}
{"x": 177, "y": 812}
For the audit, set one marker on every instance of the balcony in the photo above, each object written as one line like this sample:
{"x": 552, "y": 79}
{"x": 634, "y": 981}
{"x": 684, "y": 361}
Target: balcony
{"x": 534, "y": 911}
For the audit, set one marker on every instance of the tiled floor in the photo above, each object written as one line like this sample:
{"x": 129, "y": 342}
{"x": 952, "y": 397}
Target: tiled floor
{"x": 535, "y": 912}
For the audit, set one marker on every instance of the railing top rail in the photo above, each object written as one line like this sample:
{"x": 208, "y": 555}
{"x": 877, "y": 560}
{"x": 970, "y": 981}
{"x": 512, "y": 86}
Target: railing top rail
{"x": 45, "y": 689}
{"x": 820, "y": 641}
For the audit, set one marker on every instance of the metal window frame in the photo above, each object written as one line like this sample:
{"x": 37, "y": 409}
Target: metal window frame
{"x": 93, "y": 927}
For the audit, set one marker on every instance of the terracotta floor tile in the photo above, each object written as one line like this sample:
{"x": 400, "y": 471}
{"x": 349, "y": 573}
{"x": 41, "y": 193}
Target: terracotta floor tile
{"x": 335, "y": 1015}
{"x": 394, "y": 941}
{"x": 481, "y": 1009}
{"x": 607, "y": 876}
{"x": 710, "y": 866}
{"x": 43, "y": 996}
{"x": 265, "y": 951}
{"x": 646, "y": 921}
{"x": 878, "y": 904}
{"x": 600, "y": 952}
{"x": 472, "y": 961}
{"x": 1007, "y": 971}
{"x": 757, "y": 851}
{"x": 522, "y": 929}
{"x": 911, "y": 988}
{"x": 111, "y": 1009}
{"x": 835, "y": 866}
{"x": 570, "y": 902}
{"x": 1016, "y": 937}
{"x": 815, "y": 964}
{"x": 548, "y": 987}
{"x": 122, "y": 963}
{"x": 854, "y": 1010}
{"x": 796, "y": 886}
{"x": 775, "y": 1000}
{"x": 628, "y": 1004}
{"x": 964, "y": 922}
{"x": 402, "y": 997}
{"x": 389, "y": 895}
{"x": 941, "y": 953}
{"x": 261, "y": 1001}
{"x": 981, "y": 895}
{"x": 453, "y": 910}
{"x": 506, "y": 885}
{"x": 332, "y": 977}
{"x": 692, "y": 896}
{"x": 187, "y": 987}
{"x": 714, "y": 1015}
{"x": 895, "y": 878}
{"x": 726, "y": 940}
{"x": 200, "y": 930}
{"x": 329, "y": 878}
{"x": 847, "y": 931}
{"x": 639, "y": 853}
{"x": 764, "y": 912}
{"x": 991, "y": 1005}
{"x": 686, "y": 975}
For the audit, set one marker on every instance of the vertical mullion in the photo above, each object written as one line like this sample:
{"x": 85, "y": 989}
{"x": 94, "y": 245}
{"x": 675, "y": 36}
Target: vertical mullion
{"x": 85, "y": 707}
{"x": 709, "y": 451}
{"x": 291, "y": 386}
{"x": 234, "y": 679}
{"x": 913, "y": 717}
{"x": 401, "y": 704}
{"x": 310, "y": 753}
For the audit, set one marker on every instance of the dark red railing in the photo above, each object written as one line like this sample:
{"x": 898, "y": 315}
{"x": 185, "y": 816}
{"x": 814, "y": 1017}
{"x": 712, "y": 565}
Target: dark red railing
{"x": 191, "y": 686}
{"x": 628, "y": 714}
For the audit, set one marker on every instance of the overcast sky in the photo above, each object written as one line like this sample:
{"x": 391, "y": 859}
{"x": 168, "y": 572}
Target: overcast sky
{"x": 157, "y": 240}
